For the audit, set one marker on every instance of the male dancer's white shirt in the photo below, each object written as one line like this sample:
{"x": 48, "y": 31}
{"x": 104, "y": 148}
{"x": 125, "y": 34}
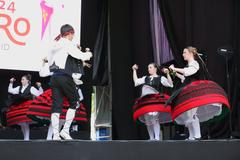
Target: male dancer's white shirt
{"x": 59, "y": 53}
{"x": 64, "y": 47}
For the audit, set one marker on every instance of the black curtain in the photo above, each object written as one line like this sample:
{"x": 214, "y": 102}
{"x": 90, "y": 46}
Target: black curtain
{"x": 130, "y": 44}
{"x": 207, "y": 25}
{"x": 121, "y": 61}
{"x": 100, "y": 58}
{"x": 235, "y": 72}
{"x": 90, "y": 21}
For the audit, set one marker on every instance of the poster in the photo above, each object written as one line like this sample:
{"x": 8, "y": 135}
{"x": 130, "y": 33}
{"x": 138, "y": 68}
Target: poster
{"x": 27, "y": 29}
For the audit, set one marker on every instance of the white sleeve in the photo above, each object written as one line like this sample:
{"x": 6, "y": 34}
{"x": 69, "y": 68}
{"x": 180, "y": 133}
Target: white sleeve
{"x": 76, "y": 53}
{"x": 45, "y": 71}
{"x": 35, "y": 91}
{"x": 139, "y": 81}
{"x": 191, "y": 69}
{"x": 165, "y": 82}
{"x": 13, "y": 90}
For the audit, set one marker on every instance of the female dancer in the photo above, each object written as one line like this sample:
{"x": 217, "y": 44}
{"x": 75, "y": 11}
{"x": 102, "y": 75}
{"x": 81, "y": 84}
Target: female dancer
{"x": 198, "y": 99}
{"x": 149, "y": 108}
{"x": 19, "y": 102}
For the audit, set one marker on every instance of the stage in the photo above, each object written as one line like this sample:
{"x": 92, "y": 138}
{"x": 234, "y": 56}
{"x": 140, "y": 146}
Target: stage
{"x": 120, "y": 150}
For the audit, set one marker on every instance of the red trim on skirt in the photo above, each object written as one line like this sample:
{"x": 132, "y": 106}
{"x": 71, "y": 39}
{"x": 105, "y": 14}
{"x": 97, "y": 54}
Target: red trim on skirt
{"x": 41, "y": 106}
{"x": 17, "y": 114}
{"x": 151, "y": 108}
{"x": 198, "y": 102}
{"x": 150, "y": 103}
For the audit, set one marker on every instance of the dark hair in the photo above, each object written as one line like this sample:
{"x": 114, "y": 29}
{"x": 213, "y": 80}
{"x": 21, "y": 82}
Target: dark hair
{"x": 64, "y": 31}
{"x": 155, "y": 65}
{"x": 28, "y": 77}
{"x": 66, "y": 28}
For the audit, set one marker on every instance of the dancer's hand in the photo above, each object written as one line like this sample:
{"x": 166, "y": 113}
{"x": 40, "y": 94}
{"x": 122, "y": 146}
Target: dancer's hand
{"x": 45, "y": 60}
{"x": 165, "y": 70}
{"x": 85, "y": 64}
{"x": 87, "y": 49}
{"x": 135, "y": 67}
{"x": 38, "y": 84}
{"x": 172, "y": 67}
{"x": 12, "y": 80}
{"x": 79, "y": 47}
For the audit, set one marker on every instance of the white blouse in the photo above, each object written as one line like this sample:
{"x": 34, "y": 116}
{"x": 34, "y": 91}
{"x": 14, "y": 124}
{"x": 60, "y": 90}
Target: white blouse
{"x": 192, "y": 68}
{"x": 33, "y": 90}
{"x": 164, "y": 81}
{"x": 146, "y": 90}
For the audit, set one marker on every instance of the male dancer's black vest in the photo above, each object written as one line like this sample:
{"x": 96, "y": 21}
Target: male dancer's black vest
{"x": 72, "y": 65}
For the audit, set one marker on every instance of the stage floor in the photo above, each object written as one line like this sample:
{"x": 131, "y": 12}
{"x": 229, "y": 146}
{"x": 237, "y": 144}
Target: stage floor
{"x": 120, "y": 150}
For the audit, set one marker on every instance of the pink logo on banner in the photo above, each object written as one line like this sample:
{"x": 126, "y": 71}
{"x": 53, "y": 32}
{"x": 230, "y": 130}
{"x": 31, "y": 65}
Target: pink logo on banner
{"x": 46, "y": 15}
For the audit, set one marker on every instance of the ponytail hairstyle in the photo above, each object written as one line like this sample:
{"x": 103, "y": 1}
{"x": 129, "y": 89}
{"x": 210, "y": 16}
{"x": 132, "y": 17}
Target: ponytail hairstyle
{"x": 203, "y": 67}
{"x": 64, "y": 31}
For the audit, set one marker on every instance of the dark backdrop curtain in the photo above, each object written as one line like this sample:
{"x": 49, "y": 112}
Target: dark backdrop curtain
{"x": 206, "y": 25}
{"x": 121, "y": 57}
{"x": 100, "y": 58}
{"x": 130, "y": 43}
{"x": 235, "y": 72}
{"x": 89, "y": 28}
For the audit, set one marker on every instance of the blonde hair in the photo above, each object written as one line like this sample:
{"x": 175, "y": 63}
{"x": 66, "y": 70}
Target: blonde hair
{"x": 196, "y": 56}
{"x": 194, "y": 51}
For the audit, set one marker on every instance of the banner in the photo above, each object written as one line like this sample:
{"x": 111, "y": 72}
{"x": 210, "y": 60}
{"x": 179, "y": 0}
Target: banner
{"x": 27, "y": 29}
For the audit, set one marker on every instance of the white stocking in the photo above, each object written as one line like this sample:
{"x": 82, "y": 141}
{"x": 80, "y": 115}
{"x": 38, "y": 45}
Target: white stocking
{"x": 50, "y": 132}
{"x": 150, "y": 132}
{"x": 25, "y": 130}
{"x": 55, "y": 124}
{"x": 196, "y": 127}
{"x": 156, "y": 128}
{"x": 69, "y": 118}
{"x": 190, "y": 131}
